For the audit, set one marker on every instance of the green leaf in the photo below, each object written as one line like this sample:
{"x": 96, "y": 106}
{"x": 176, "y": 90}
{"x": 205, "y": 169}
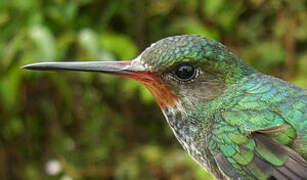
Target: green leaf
{"x": 119, "y": 44}
{"x": 44, "y": 42}
{"x": 88, "y": 42}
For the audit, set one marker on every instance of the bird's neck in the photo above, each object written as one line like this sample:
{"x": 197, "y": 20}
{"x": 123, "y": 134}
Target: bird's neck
{"x": 186, "y": 118}
{"x": 192, "y": 124}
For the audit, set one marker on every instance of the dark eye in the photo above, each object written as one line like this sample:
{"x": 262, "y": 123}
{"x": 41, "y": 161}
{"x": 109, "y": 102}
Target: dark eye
{"x": 185, "y": 72}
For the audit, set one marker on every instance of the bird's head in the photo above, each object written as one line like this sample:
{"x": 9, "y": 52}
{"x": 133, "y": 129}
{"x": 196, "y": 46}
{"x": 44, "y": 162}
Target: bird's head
{"x": 189, "y": 69}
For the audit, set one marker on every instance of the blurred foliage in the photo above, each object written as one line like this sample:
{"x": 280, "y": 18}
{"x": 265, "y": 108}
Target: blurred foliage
{"x": 89, "y": 126}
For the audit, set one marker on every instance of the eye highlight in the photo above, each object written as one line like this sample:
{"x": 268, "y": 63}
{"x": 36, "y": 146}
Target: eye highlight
{"x": 185, "y": 72}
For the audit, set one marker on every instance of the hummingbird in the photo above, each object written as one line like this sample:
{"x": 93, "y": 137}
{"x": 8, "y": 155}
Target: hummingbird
{"x": 236, "y": 122}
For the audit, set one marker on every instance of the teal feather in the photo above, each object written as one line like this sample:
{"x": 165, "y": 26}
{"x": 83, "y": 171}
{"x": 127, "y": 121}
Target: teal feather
{"x": 247, "y": 125}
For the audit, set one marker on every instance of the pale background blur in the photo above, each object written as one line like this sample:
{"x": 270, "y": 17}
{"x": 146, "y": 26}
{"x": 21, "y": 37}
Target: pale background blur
{"x": 91, "y": 126}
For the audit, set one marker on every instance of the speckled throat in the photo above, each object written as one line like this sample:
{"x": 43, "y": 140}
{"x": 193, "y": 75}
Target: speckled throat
{"x": 192, "y": 136}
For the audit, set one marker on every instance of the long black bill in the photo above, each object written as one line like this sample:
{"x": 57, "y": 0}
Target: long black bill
{"x": 123, "y": 68}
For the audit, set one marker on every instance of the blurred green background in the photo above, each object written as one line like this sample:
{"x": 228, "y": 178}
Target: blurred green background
{"x": 91, "y": 126}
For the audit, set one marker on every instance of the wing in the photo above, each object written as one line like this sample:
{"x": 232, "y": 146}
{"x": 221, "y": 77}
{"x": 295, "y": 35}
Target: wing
{"x": 264, "y": 135}
{"x": 259, "y": 155}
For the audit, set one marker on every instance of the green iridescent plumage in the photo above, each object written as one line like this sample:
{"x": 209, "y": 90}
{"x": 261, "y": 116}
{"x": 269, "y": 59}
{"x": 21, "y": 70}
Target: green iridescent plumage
{"x": 234, "y": 121}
